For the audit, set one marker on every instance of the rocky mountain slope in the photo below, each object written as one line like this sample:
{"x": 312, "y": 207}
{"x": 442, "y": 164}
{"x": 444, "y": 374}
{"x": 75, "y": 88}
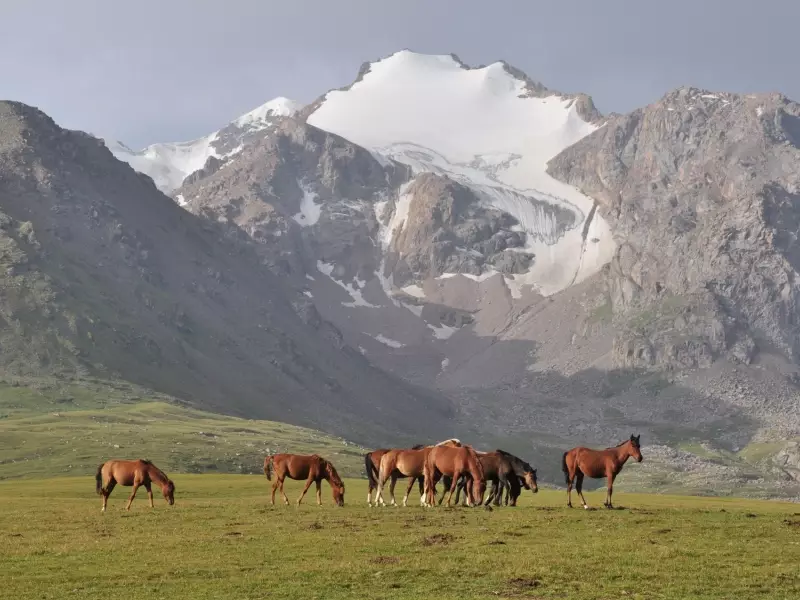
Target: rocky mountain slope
{"x": 562, "y": 276}
{"x": 105, "y": 276}
{"x": 168, "y": 164}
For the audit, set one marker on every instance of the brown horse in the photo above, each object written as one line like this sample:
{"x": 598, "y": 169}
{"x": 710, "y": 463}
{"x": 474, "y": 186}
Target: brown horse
{"x": 453, "y": 463}
{"x": 396, "y": 463}
{"x": 372, "y": 466}
{"x": 136, "y": 473}
{"x": 597, "y": 464}
{"x": 312, "y": 468}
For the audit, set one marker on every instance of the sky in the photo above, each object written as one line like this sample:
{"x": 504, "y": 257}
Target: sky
{"x": 172, "y": 70}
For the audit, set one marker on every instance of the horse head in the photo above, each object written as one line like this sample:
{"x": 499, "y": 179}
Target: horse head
{"x": 636, "y": 451}
{"x": 529, "y": 478}
{"x": 168, "y": 489}
{"x": 336, "y": 483}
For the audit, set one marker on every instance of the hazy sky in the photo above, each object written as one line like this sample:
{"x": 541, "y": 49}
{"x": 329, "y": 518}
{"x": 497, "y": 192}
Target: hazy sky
{"x": 166, "y": 70}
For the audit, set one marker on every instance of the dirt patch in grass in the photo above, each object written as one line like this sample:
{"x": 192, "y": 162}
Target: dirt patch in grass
{"x": 384, "y": 560}
{"x": 791, "y": 522}
{"x": 524, "y": 583}
{"x": 442, "y": 539}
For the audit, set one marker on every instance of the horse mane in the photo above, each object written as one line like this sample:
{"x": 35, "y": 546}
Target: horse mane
{"x": 618, "y": 445}
{"x": 159, "y": 472}
{"x": 454, "y": 440}
{"x": 332, "y": 473}
{"x": 418, "y": 447}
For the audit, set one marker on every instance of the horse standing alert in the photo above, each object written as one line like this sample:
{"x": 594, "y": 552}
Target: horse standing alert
{"x": 598, "y": 464}
{"x": 133, "y": 473}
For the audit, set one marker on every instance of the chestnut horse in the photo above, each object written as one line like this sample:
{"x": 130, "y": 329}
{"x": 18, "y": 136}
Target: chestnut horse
{"x": 133, "y": 473}
{"x": 454, "y": 462}
{"x": 372, "y": 465}
{"x": 312, "y": 468}
{"x": 598, "y": 464}
{"x": 406, "y": 463}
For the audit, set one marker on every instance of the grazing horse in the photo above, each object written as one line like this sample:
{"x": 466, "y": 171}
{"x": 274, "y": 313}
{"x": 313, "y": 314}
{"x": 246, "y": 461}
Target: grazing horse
{"x": 312, "y": 468}
{"x": 372, "y": 465}
{"x": 506, "y": 472}
{"x": 133, "y": 473}
{"x": 453, "y": 463}
{"x": 406, "y": 463}
{"x": 598, "y": 464}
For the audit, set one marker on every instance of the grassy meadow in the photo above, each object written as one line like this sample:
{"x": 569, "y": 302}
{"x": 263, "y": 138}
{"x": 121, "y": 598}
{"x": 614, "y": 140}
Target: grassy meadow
{"x": 222, "y": 539}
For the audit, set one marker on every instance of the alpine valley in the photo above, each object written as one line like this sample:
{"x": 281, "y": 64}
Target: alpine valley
{"x": 434, "y": 250}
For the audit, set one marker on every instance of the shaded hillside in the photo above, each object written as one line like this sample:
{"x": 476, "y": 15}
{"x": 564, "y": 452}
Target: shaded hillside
{"x": 104, "y": 274}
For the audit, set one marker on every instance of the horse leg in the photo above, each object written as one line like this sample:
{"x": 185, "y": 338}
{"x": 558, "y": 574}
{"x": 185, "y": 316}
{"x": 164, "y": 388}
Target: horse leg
{"x": 107, "y": 492}
{"x": 579, "y": 488}
{"x": 274, "y": 489}
{"x": 379, "y": 489}
{"x": 309, "y": 481}
{"x": 133, "y": 495}
{"x": 495, "y": 493}
{"x": 446, "y": 481}
{"x": 319, "y": 492}
{"x": 456, "y": 477}
{"x": 411, "y": 482}
{"x": 391, "y": 489}
{"x": 609, "y": 490}
{"x": 280, "y": 487}
{"x": 459, "y": 489}
{"x": 149, "y": 488}
{"x": 421, "y": 481}
{"x": 570, "y": 479}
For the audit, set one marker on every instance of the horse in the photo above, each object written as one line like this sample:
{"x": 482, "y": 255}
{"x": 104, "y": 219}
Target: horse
{"x": 598, "y": 464}
{"x": 372, "y": 465}
{"x": 453, "y": 463}
{"x": 507, "y": 473}
{"x": 406, "y": 463}
{"x": 136, "y": 473}
{"x": 313, "y": 468}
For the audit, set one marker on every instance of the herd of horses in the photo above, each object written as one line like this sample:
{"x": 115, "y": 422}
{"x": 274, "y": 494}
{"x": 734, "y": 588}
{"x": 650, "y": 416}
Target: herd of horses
{"x": 458, "y": 466}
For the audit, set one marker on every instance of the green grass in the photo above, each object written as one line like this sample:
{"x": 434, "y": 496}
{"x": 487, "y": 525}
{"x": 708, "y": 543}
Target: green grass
{"x": 71, "y": 429}
{"x": 222, "y": 539}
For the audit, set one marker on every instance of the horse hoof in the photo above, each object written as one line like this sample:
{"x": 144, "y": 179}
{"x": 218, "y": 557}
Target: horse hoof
{"x": 586, "y": 506}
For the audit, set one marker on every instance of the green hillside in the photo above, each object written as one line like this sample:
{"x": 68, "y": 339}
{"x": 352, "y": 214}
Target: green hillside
{"x": 53, "y": 428}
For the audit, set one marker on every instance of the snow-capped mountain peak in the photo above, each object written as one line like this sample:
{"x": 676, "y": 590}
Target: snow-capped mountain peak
{"x": 168, "y": 164}
{"x": 262, "y": 116}
{"x": 490, "y": 129}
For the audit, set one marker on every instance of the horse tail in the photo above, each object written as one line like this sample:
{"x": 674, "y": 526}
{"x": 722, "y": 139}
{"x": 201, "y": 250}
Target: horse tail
{"x": 371, "y": 471}
{"x": 99, "y": 479}
{"x": 564, "y": 466}
{"x": 268, "y": 467}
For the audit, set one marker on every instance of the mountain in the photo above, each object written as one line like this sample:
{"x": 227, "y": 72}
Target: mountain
{"x": 105, "y": 277}
{"x": 168, "y": 164}
{"x": 564, "y": 277}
